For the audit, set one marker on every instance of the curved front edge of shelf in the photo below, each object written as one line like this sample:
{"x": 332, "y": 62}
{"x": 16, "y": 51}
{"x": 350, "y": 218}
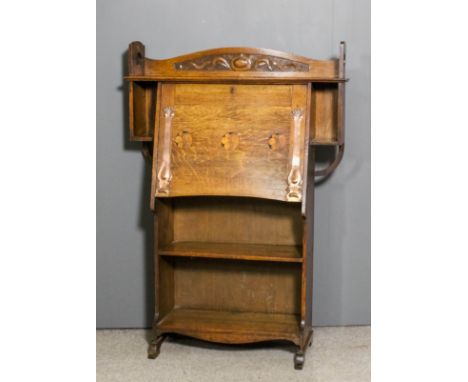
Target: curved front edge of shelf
{"x": 231, "y": 327}
{"x": 281, "y": 198}
{"x": 233, "y": 338}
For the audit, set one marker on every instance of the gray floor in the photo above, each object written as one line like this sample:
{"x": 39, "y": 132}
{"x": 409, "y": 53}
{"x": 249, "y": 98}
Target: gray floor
{"x": 337, "y": 354}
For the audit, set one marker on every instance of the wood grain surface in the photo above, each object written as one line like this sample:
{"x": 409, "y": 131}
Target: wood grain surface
{"x": 235, "y": 64}
{"x": 228, "y": 128}
{"x": 238, "y": 286}
{"x": 234, "y": 251}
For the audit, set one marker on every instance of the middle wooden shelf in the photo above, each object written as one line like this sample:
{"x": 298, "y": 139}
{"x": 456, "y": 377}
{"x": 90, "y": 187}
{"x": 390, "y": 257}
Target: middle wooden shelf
{"x": 234, "y": 251}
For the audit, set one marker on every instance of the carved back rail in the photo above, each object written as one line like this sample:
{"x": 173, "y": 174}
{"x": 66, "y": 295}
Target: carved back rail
{"x": 233, "y": 64}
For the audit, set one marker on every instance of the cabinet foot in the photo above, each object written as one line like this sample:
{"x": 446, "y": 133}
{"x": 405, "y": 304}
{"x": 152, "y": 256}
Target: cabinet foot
{"x": 155, "y": 346}
{"x": 299, "y": 360}
{"x": 299, "y": 357}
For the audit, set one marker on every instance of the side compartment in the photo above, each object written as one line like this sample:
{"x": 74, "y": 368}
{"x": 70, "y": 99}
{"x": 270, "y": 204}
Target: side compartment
{"x": 324, "y": 114}
{"x": 142, "y": 110}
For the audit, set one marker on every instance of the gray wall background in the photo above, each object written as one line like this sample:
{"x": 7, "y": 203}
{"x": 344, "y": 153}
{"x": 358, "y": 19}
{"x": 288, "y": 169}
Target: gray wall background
{"x": 311, "y": 28}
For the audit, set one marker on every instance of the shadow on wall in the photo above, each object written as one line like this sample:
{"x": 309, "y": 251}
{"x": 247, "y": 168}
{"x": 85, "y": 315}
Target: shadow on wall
{"x": 328, "y": 251}
{"x": 145, "y": 219}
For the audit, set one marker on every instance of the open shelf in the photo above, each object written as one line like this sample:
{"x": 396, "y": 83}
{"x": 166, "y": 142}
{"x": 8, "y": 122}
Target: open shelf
{"x": 218, "y": 219}
{"x": 266, "y": 325}
{"x": 234, "y": 251}
{"x": 218, "y": 256}
{"x": 231, "y": 286}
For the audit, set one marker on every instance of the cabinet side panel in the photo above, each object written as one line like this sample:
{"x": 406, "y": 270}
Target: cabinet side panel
{"x": 163, "y": 271}
{"x": 166, "y": 287}
{"x": 165, "y": 214}
{"x": 309, "y": 238}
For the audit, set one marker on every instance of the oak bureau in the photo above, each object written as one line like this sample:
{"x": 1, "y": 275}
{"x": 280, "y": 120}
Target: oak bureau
{"x": 230, "y": 134}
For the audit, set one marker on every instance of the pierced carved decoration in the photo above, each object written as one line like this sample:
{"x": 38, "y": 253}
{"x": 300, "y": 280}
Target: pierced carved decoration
{"x": 230, "y": 141}
{"x": 295, "y": 176}
{"x": 243, "y": 62}
{"x": 165, "y": 174}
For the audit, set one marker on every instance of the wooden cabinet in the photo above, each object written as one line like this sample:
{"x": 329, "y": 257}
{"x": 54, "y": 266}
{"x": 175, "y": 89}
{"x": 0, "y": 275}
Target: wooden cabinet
{"x": 230, "y": 134}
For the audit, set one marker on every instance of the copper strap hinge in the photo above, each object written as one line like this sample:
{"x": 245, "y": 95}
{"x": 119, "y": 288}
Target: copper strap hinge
{"x": 165, "y": 173}
{"x": 295, "y": 174}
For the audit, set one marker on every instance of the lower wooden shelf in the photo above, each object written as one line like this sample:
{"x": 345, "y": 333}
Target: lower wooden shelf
{"x": 235, "y": 251}
{"x": 231, "y": 327}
